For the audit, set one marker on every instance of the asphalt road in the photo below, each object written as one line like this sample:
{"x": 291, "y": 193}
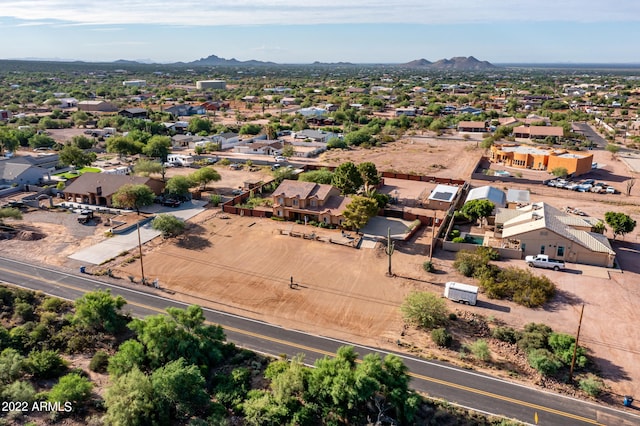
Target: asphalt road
{"x": 466, "y": 388}
{"x": 591, "y": 134}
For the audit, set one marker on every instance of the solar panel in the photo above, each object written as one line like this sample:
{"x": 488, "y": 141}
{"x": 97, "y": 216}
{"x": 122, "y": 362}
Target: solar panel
{"x": 444, "y": 196}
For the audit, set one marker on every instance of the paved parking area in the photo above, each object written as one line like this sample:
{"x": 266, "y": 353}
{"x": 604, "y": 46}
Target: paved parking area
{"x": 114, "y": 246}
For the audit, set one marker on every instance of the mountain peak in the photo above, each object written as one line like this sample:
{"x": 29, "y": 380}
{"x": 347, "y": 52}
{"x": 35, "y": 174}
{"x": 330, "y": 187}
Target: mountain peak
{"x": 462, "y": 63}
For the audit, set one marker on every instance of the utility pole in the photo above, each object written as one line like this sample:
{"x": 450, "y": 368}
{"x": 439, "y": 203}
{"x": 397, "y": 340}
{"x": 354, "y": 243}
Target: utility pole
{"x": 575, "y": 348}
{"x": 140, "y": 250}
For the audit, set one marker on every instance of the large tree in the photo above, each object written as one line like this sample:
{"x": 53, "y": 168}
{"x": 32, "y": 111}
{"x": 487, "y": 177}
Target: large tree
{"x": 323, "y": 176}
{"x": 72, "y": 155}
{"x": 477, "y": 209}
{"x": 359, "y": 211}
{"x": 178, "y": 186}
{"x": 180, "y": 390}
{"x": 99, "y": 310}
{"x": 424, "y": 309}
{"x": 123, "y": 146}
{"x": 347, "y": 178}
{"x": 8, "y": 140}
{"x": 620, "y": 223}
{"x": 131, "y": 401}
{"x": 132, "y": 196}
{"x": 158, "y": 147}
{"x": 205, "y": 175}
{"x": 168, "y": 225}
{"x": 148, "y": 167}
{"x": 369, "y": 173}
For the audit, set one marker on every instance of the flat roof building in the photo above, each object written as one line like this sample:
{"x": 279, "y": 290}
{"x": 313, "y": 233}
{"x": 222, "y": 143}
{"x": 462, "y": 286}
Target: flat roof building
{"x": 211, "y": 84}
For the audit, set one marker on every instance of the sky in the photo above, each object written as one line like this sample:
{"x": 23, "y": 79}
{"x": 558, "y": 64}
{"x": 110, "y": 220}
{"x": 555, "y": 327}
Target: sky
{"x": 303, "y": 31}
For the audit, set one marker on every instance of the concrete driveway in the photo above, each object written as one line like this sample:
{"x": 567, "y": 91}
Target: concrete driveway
{"x": 114, "y": 246}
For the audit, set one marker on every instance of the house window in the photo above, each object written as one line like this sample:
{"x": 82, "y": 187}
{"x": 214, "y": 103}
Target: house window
{"x": 523, "y": 247}
{"x": 295, "y": 201}
{"x": 313, "y": 203}
{"x": 280, "y": 213}
{"x": 560, "y": 251}
{"x": 280, "y": 200}
{"x": 542, "y": 249}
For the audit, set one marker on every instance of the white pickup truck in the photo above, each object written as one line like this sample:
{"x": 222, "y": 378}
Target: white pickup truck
{"x": 543, "y": 261}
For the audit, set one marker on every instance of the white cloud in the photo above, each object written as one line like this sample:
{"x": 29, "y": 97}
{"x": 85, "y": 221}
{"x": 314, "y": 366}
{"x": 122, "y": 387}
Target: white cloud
{"x": 304, "y": 12}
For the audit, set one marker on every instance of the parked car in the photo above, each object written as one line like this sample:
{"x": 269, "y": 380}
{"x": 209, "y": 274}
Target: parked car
{"x": 543, "y": 261}
{"x": 585, "y": 187}
{"x": 236, "y": 192}
{"x": 572, "y": 186}
{"x": 610, "y": 190}
{"x": 235, "y": 166}
{"x": 275, "y": 166}
{"x": 589, "y": 182}
{"x": 170, "y": 202}
{"x": 280, "y": 159}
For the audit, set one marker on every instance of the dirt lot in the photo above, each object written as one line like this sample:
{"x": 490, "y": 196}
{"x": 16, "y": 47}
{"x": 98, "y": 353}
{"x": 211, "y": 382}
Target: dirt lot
{"x": 447, "y": 158}
{"x": 244, "y": 265}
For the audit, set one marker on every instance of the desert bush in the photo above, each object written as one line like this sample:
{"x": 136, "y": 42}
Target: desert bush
{"x": 591, "y": 384}
{"x": 544, "y": 361}
{"x": 563, "y": 346}
{"x": 455, "y": 233}
{"x": 441, "y": 337}
{"x": 504, "y": 334}
{"x": 424, "y": 309}
{"x": 45, "y": 364}
{"x": 480, "y": 350}
{"x": 428, "y": 266}
{"x": 458, "y": 240}
{"x": 519, "y": 285}
{"x": 99, "y": 362}
{"x": 215, "y": 200}
{"x": 534, "y": 336}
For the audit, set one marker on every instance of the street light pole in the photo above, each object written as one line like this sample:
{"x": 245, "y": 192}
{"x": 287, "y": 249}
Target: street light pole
{"x": 140, "y": 250}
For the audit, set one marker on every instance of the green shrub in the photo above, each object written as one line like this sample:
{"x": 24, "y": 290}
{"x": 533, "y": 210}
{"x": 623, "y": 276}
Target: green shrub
{"x": 544, "y": 361}
{"x": 441, "y": 337}
{"x": 424, "y": 309}
{"x": 99, "y": 362}
{"x": 504, "y": 334}
{"x": 23, "y": 312}
{"x": 459, "y": 240}
{"x": 563, "y": 346}
{"x": 591, "y": 384}
{"x": 453, "y": 316}
{"x": 428, "y": 266}
{"x": 519, "y": 285}
{"x": 215, "y": 200}
{"x": 535, "y": 336}
{"x": 45, "y": 364}
{"x": 455, "y": 233}
{"x": 224, "y": 162}
{"x": 480, "y": 350}
{"x": 52, "y": 304}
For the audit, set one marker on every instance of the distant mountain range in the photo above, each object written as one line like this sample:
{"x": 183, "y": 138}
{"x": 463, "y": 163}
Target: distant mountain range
{"x": 460, "y": 63}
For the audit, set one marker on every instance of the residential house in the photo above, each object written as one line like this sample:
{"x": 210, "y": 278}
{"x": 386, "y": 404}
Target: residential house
{"x": 177, "y": 127}
{"x": 46, "y": 161}
{"x": 226, "y": 140}
{"x": 260, "y": 148}
{"x": 215, "y": 105}
{"x": 133, "y": 113}
{"x": 518, "y": 198}
{"x": 296, "y": 200}
{"x": 312, "y": 112}
{"x": 22, "y": 173}
{"x": 468, "y": 110}
{"x": 287, "y": 101}
{"x": 4, "y": 114}
{"x": 538, "y": 132}
{"x": 314, "y": 135}
{"x": 409, "y": 112}
{"x": 96, "y": 106}
{"x": 540, "y": 158}
{"x": 472, "y": 126}
{"x": 490, "y": 193}
{"x": 542, "y": 229}
{"x": 98, "y": 188}
{"x": 185, "y": 110}
{"x": 211, "y": 84}
{"x": 68, "y": 102}
{"x": 134, "y": 83}
{"x": 442, "y": 197}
